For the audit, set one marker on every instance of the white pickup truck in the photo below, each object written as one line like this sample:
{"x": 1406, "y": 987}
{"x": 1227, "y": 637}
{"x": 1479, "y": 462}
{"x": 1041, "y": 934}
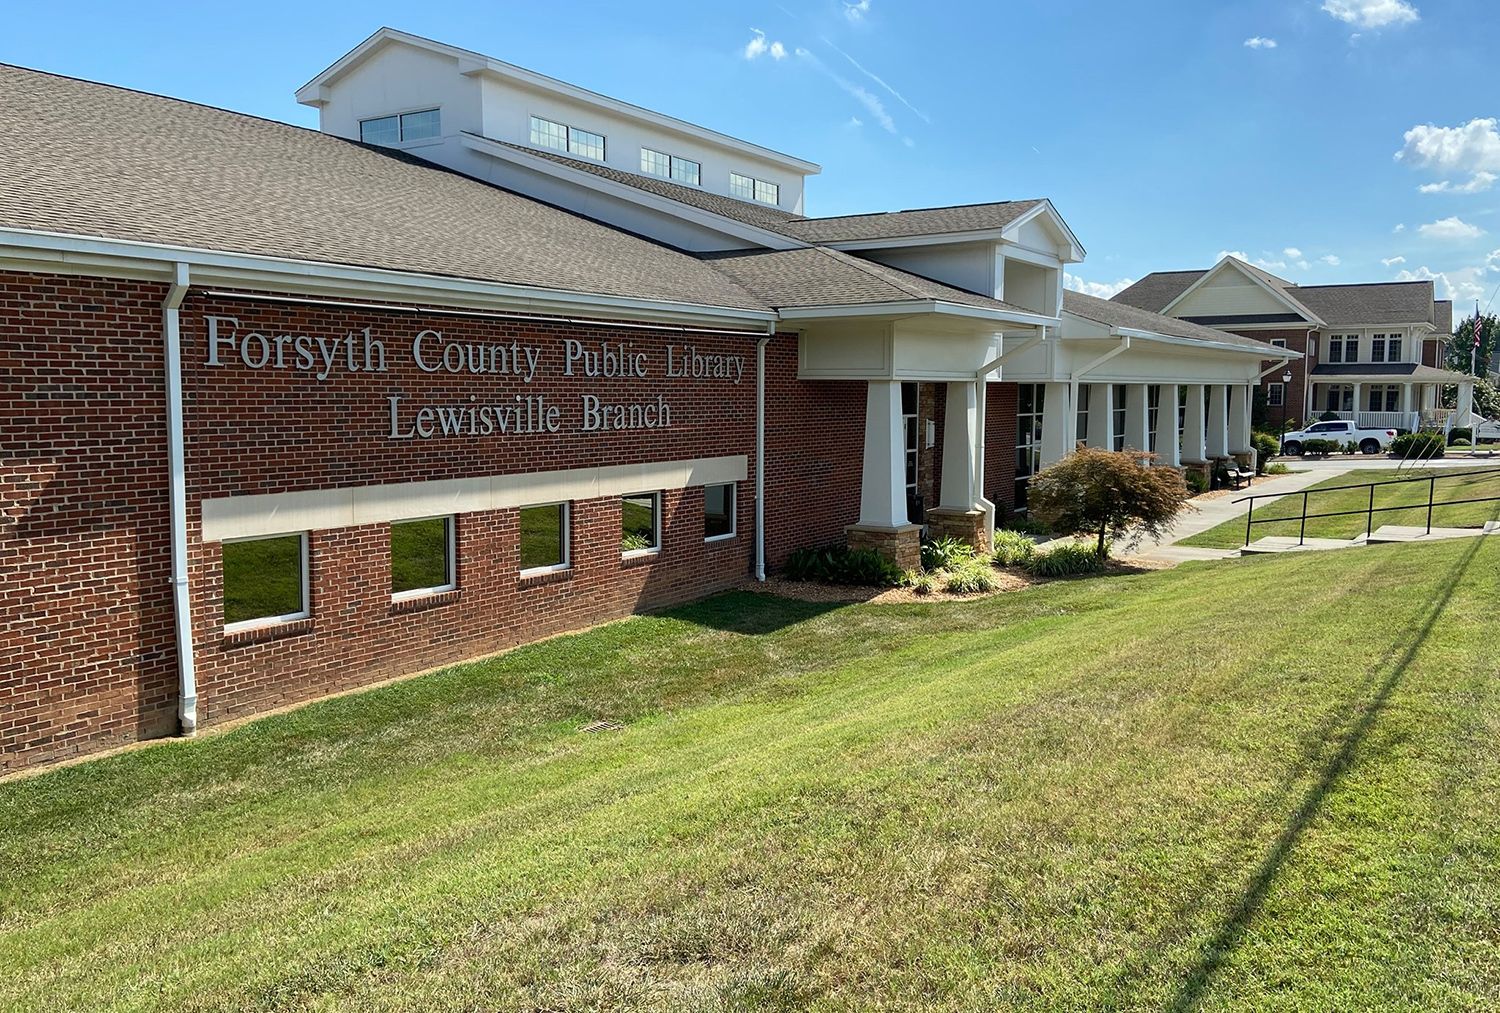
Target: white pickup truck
{"x": 1371, "y": 441}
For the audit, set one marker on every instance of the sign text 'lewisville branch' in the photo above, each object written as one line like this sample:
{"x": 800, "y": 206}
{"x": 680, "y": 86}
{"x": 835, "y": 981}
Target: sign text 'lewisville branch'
{"x": 513, "y": 415}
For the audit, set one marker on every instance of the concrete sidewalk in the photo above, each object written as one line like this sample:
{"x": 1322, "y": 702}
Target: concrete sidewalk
{"x": 1213, "y": 512}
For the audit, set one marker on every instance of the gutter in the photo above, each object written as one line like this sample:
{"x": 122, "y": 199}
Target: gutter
{"x": 187, "y": 706}
{"x": 760, "y": 452}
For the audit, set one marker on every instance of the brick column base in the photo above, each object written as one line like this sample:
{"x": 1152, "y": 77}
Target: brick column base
{"x": 1204, "y": 468}
{"x": 901, "y": 545}
{"x": 966, "y": 525}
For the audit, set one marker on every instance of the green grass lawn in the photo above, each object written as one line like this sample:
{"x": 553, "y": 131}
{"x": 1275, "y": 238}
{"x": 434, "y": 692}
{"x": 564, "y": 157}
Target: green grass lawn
{"x": 1069, "y": 798}
{"x": 1412, "y": 491}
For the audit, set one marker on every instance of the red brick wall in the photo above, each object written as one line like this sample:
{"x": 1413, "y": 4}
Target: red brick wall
{"x": 1002, "y": 403}
{"x": 1296, "y": 341}
{"x": 85, "y": 613}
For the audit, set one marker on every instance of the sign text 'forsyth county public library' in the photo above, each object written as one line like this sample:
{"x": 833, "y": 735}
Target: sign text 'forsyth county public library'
{"x": 432, "y": 353}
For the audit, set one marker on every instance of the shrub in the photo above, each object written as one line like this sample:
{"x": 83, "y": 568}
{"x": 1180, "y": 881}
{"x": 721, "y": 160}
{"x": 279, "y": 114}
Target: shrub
{"x": 1458, "y": 443}
{"x": 1418, "y": 446}
{"x": 1351, "y": 447}
{"x": 945, "y": 553}
{"x": 836, "y": 564}
{"x": 1027, "y": 525}
{"x": 1329, "y": 416}
{"x": 921, "y": 583}
{"x": 1196, "y": 483}
{"x": 1109, "y": 492}
{"x": 1266, "y": 448}
{"x": 1320, "y": 448}
{"x": 971, "y": 577}
{"x": 1458, "y": 433}
{"x": 1277, "y": 469}
{"x": 1012, "y": 549}
{"x": 1065, "y": 559}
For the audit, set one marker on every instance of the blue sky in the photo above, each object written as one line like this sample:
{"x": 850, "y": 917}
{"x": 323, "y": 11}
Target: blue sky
{"x": 1166, "y": 132}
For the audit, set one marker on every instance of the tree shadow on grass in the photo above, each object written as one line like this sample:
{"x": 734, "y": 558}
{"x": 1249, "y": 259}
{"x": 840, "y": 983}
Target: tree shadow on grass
{"x": 1231, "y": 933}
{"x": 752, "y": 614}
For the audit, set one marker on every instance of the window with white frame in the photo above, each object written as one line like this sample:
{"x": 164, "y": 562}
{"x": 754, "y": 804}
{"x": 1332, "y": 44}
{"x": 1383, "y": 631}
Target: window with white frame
{"x": 1377, "y": 348}
{"x": 1276, "y": 395}
{"x": 561, "y": 137}
{"x": 1351, "y": 347}
{"x": 1030, "y": 404}
{"x": 388, "y": 130}
{"x": 749, "y": 188}
{"x": 1082, "y": 420}
{"x": 659, "y": 163}
{"x": 640, "y": 523}
{"x": 1153, "y": 414}
{"x": 422, "y": 557}
{"x": 1393, "y": 348}
{"x": 1335, "y": 348}
{"x": 265, "y": 580}
{"x": 718, "y": 512}
{"x": 1384, "y": 397}
{"x": 1119, "y": 417}
{"x": 544, "y": 538}
{"x": 1278, "y": 342}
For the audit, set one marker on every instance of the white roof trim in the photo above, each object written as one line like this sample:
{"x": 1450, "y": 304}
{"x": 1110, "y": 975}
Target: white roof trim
{"x": 51, "y": 252}
{"x": 1269, "y": 352}
{"x": 1076, "y": 252}
{"x": 916, "y": 307}
{"x": 315, "y": 93}
{"x": 1297, "y": 308}
{"x": 634, "y": 194}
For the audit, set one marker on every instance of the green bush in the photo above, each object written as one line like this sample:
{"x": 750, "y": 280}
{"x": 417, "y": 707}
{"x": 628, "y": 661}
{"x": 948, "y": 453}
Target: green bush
{"x": 1458, "y": 443}
{"x": 1266, "y": 448}
{"x": 971, "y": 577}
{"x": 945, "y": 553}
{"x": 1027, "y": 525}
{"x": 1351, "y": 447}
{"x": 1320, "y": 448}
{"x": 1418, "y": 446}
{"x": 1065, "y": 559}
{"x": 919, "y": 582}
{"x": 1458, "y": 433}
{"x": 836, "y": 564}
{"x": 1277, "y": 469}
{"x": 1329, "y": 416}
{"x": 1196, "y": 483}
{"x": 1012, "y": 549}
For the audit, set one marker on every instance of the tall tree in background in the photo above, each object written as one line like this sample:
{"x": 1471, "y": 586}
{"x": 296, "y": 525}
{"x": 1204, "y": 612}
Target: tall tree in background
{"x": 1463, "y": 343}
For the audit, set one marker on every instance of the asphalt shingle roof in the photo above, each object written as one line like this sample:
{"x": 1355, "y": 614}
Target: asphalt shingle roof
{"x": 1156, "y": 291}
{"x": 90, "y": 159}
{"x": 819, "y": 276}
{"x": 1409, "y": 370}
{"x": 1113, "y": 314}
{"x": 917, "y": 222}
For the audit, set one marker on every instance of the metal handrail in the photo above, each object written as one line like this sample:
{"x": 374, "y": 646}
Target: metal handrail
{"x": 1371, "y": 510}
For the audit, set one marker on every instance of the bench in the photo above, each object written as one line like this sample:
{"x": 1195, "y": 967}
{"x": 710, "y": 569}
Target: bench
{"x": 1232, "y": 472}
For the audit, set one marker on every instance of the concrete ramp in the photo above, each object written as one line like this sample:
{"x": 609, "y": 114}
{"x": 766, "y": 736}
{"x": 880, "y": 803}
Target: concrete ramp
{"x": 1277, "y": 543}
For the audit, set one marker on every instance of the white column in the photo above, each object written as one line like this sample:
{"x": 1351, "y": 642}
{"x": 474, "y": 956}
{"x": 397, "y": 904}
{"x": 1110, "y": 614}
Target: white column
{"x": 1218, "y": 420}
{"x": 1194, "y": 448}
{"x": 1359, "y": 399}
{"x": 1239, "y": 419}
{"x": 1429, "y": 396}
{"x": 1055, "y": 409}
{"x": 1101, "y": 416}
{"x": 1137, "y": 423}
{"x": 1168, "y": 450}
{"x": 959, "y": 441}
{"x": 882, "y": 497}
{"x": 1465, "y": 404}
{"x": 1071, "y": 435}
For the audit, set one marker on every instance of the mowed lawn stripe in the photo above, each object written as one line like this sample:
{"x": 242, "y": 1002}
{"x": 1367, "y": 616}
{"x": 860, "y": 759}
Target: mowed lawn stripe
{"x": 1050, "y": 800}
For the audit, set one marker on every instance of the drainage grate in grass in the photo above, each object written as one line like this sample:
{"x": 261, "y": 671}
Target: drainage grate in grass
{"x": 602, "y": 726}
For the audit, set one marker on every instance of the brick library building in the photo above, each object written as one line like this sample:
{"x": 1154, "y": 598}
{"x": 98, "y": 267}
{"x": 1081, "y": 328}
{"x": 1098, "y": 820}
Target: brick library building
{"x": 485, "y": 358}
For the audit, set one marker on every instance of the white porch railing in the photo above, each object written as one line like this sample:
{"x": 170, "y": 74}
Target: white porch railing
{"x": 1383, "y": 420}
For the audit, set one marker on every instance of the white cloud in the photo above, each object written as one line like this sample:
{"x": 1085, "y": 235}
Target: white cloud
{"x": 873, "y": 105}
{"x": 1293, "y": 252}
{"x": 855, "y": 121}
{"x": 1330, "y": 260}
{"x": 756, "y": 46}
{"x": 1263, "y": 263}
{"x": 856, "y": 12}
{"x": 1393, "y": 261}
{"x": 1399, "y": 228}
{"x": 1479, "y": 183}
{"x": 1372, "y": 13}
{"x": 778, "y": 51}
{"x": 1236, "y": 254}
{"x": 1450, "y": 228}
{"x": 1097, "y": 289}
{"x": 1302, "y": 265}
{"x": 860, "y": 67}
{"x": 1260, "y": 43}
{"x": 1475, "y": 146}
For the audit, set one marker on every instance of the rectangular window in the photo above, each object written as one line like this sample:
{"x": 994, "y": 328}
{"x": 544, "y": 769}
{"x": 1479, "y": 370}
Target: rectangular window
{"x": 685, "y": 170}
{"x": 1335, "y": 348}
{"x": 1278, "y": 342}
{"x": 1377, "y": 348}
{"x": 265, "y": 581}
{"x": 1393, "y": 348}
{"x": 383, "y": 130}
{"x": 422, "y": 557}
{"x": 749, "y": 188}
{"x": 1031, "y": 405}
{"x": 718, "y": 512}
{"x": 546, "y": 134}
{"x": 1153, "y": 414}
{"x": 1119, "y": 417}
{"x": 1082, "y": 421}
{"x": 654, "y": 163}
{"x": 585, "y": 144}
{"x": 1351, "y": 348}
{"x": 640, "y": 523}
{"x": 1276, "y": 395}
{"x": 910, "y": 438}
{"x": 406, "y": 127}
{"x": 544, "y": 538}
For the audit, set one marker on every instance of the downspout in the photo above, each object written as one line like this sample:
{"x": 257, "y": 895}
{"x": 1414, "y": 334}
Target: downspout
{"x": 760, "y": 452}
{"x": 187, "y": 707}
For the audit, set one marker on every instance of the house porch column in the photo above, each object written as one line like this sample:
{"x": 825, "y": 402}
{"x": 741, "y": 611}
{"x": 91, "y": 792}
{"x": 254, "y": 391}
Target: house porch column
{"x": 960, "y": 512}
{"x": 1137, "y": 419}
{"x": 1239, "y": 419}
{"x": 1194, "y": 423}
{"x": 1168, "y": 446}
{"x": 1101, "y": 419}
{"x": 883, "y": 523}
{"x": 1218, "y": 421}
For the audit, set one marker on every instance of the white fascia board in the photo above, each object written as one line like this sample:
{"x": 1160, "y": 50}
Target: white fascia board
{"x": 24, "y": 250}
{"x": 918, "y": 307}
{"x": 1076, "y": 252}
{"x": 635, "y": 195}
{"x": 1231, "y": 262}
{"x": 1269, "y": 352}
{"x": 935, "y": 239}
{"x": 471, "y": 63}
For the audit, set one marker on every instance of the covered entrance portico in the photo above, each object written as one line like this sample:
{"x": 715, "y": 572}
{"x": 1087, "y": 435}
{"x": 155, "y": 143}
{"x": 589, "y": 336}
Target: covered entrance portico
{"x": 1400, "y": 395}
